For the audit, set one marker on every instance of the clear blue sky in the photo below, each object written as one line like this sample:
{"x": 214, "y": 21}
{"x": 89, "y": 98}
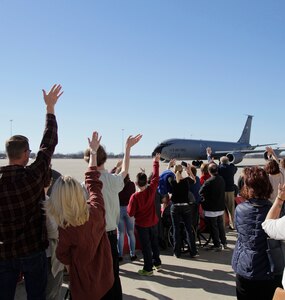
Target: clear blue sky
{"x": 180, "y": 68}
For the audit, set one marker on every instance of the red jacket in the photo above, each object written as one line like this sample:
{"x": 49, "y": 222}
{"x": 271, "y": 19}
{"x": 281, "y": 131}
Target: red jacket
{"x": 86, "y": 248}
{"x": 142, "y": 204}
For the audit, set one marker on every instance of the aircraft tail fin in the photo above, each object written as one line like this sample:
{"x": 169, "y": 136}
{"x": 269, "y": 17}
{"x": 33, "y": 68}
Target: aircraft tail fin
{"x": 245, "y": 136}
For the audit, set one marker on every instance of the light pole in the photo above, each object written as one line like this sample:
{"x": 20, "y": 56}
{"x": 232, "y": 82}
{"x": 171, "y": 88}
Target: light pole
{"x": 11, "y": 127}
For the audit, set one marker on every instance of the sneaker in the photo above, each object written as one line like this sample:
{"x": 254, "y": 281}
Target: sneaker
{"x": 134, "y": 257}
{"x": 225, "y": 246}
{"x": 145, "y": 273}
{"x": 215, "y": 248}
{"x": 195, "y": 255}
{"x": 176, "y": 255}
{"x": 157, "y": 268}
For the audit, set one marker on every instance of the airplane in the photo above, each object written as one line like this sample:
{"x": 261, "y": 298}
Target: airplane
{"x": 189, "y": 149}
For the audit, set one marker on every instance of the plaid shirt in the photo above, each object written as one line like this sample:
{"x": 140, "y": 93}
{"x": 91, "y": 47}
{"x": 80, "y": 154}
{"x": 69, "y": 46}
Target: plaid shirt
{"x": 22, "y": 219}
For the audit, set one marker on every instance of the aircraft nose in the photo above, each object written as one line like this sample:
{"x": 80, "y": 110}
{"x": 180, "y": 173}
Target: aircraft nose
{"x": 157, "y": 149}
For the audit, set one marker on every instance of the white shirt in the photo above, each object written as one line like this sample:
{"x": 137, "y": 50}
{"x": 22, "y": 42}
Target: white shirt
{"x": 112, "y": 185}
{"x": 275, "y": 228}
{"x": 275, "y": 180}
{"x": 213, "y": 214}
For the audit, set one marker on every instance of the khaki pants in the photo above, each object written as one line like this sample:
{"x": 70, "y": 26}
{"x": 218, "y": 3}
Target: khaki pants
{"x": 230, "y": 207}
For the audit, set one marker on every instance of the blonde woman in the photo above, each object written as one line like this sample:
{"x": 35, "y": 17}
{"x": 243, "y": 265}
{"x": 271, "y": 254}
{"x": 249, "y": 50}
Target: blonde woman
{"x": 181, "y": 209}
{"x": 83, "y": 243}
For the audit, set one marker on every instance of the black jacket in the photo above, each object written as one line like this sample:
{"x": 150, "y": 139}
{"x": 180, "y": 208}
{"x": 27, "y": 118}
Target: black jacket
{"x": 213, "y": 192}
{"x": 227, "y": 171}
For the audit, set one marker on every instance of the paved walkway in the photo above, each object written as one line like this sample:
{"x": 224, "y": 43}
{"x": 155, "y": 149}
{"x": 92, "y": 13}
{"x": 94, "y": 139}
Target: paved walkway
{"x": 207, "y": 277}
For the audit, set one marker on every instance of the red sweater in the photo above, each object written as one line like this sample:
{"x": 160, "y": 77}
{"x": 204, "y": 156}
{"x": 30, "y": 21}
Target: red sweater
{"x": 204, "y": 177}
{"x": 86, "y": 248}
{"x": 142, "y": 204}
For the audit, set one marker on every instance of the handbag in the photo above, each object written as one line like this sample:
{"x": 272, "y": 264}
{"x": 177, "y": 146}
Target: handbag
{"x": 275, "y": 253}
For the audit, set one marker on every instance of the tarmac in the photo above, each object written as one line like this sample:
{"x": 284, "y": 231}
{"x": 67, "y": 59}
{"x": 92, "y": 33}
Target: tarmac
{"x": 209, "y": 276}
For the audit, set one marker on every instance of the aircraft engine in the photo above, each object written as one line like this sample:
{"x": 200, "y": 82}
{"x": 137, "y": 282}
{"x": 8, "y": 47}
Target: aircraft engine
{"x": 265, "y": 155}
{"x": 235, "y": 157}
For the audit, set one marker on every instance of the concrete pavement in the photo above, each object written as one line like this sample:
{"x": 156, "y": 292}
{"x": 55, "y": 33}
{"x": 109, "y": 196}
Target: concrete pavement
{"x": 206, "y": 277}
{"x": 209, "y": 276}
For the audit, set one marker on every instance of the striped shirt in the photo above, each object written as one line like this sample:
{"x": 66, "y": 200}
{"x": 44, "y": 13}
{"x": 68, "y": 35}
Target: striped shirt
{"x": 22, "y": 219}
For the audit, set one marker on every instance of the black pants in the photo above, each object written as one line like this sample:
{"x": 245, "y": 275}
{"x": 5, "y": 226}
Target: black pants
{"x": 149, "y": 242}
{"x": 183, "y": 214}
{"x": 256, "y": 289}
{"x": 217, "y": 230}
{"x": 115, "y": 293}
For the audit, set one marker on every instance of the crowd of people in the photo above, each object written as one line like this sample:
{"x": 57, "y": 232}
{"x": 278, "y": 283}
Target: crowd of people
{"x": 49, "y": 226}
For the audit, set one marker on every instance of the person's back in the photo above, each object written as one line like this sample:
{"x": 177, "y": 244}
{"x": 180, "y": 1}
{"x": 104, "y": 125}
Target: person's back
{"x": 250, "y": 262}
{"x": 142, "y": 207}
{"x": 213, "y": 192}
{"x": 142, "y": 204}
{"x": 204, "y": 173}
{"x": 126, "y": 223}
{"x": 83, "y": 245}
{"x": 251, "y": 244}
{"x": 164, "y": 186}
{"x": 195, "y": 187}
{"x": 227, "y": 171}
{"x": 276, "y": 177}
{"x": 23, "y": 234}
{"x": 112, "y": 185}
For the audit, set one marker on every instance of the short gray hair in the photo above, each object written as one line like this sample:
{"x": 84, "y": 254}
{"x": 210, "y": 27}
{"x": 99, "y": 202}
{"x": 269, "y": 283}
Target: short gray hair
{"x": 224, "y": 160}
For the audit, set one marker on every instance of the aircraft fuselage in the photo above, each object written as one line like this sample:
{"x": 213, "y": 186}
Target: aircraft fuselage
{"x": 188, "y": 149}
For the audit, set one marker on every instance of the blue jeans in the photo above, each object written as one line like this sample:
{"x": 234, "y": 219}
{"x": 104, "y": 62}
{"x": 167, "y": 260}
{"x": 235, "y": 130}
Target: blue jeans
{"x": 183, "y": 214}
{"x": 149, "y": 243}
{"x": 34, "y": 268}
{"x": 129, "y": 223}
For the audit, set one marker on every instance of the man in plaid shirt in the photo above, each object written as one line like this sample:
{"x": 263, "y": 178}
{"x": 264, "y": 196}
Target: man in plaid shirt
{"x": 23, "y": 236}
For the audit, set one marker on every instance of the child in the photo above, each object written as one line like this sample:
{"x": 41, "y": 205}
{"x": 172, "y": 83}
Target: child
{"x": 142, "y": 207}
{"x": 83, "y": 244}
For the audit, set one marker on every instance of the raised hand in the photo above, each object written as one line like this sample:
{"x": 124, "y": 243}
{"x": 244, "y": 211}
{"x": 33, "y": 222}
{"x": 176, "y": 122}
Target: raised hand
{"x": 281, "y": 192}
{"x": 52, "y": 97}
{"x": 157, "y": 157}
{"x": 208, "y": 151}
{"x": 119, "y": 164}
{"x": 94, "y": 142}
{"x": 132, "y": 140}
{"x": 172, "y": 162}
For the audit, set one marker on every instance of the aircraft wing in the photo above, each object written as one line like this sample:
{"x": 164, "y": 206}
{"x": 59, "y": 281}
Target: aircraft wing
{"x": 247, "y": 151}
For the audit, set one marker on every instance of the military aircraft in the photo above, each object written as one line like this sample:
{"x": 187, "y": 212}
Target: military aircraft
{"x": 189, "y": 149}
